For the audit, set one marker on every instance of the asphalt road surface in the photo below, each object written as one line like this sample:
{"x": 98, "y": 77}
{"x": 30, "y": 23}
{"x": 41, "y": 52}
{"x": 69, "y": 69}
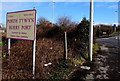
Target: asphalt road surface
{"x": 113, "y": 41}
{"x": 105, "y": 64}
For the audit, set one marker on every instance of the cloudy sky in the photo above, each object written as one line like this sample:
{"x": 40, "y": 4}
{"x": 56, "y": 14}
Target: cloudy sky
{"x": 104, "y": 12}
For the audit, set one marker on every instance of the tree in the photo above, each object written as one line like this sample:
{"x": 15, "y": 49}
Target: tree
{"x": 83, "y": 30}
{"x": 82, "y": 39}
{"x": 106, "y": 28}
{"x": 64, "y": 22}
{"x": 42, "y": 20}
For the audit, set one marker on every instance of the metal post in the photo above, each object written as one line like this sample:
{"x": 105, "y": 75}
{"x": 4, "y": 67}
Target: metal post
{"x": 34, "y": 48}
{"x": 9, "y": 46}
{"x": 114, "y": 29}
{"x": 65, "y": 45}
{"x": 91, "y": 31}
{"x": 116, "y": 21}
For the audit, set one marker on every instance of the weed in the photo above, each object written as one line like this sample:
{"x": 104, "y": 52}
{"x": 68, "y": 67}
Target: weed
{"x": 62, "y": 69}
{"x": 96, "y": 47}
{"x": 4, "y": 55}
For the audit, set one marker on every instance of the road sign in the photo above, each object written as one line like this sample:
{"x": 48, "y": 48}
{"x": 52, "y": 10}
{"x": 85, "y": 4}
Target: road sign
{"x": 21, "y": 25}
{"x": 104, "y": 33}
{"x": 114, "y": 26}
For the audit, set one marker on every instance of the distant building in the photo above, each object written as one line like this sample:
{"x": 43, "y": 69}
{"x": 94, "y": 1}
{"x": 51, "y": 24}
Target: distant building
{"x": 2, "y": 31}
{"x": 2, "y": 25}
{"x": 2, "y": 28}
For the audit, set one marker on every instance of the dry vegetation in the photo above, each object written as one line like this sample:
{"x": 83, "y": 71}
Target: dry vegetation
{"x": 49, "y": 48}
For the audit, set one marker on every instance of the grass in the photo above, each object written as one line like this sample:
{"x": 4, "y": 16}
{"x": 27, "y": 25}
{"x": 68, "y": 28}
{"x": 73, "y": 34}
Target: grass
{"x": 96, "y": 48}
{"x": 4, "y": 55}
{"x": 112, "y": 34}
{"x": 76, "y": 62}
{"x": 2, "y": 43}
{"x": 62, "y": 69}
{"x": 103, "y": 36}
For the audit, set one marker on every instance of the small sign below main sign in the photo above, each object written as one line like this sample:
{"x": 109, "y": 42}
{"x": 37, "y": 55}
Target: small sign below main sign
{"x": 21, "y": 25}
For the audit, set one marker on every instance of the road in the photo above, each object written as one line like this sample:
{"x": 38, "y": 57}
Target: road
{"x": 105, "y": 64}
{"x": 109, "y": 57}
{"x": 113, "y": 41}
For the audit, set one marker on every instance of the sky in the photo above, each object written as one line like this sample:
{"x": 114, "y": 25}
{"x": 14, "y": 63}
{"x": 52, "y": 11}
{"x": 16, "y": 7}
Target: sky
{"x": 104, "y": 12}
{"x": 58, "y": 0}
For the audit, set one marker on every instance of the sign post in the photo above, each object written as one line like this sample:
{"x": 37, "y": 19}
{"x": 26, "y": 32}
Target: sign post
{"x": 9, "y": 46}
{"x": 34, "y": 48}
{"x": 114, "y": 27}
{"x": 21, "y": 25}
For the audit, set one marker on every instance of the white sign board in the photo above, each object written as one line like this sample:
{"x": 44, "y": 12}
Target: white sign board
{"x": 21, "y": 25}
{"x": 104, "y": 33}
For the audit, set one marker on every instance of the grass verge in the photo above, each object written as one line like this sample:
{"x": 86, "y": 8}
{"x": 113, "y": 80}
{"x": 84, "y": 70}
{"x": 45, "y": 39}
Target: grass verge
{"x": 63, "y": 68}
{"x": 96, "y": 48}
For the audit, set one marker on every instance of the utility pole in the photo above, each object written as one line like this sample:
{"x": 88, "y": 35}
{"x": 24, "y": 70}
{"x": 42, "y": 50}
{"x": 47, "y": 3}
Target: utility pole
{"x": 53, "y": 4}
{"x": 91, "y": 31}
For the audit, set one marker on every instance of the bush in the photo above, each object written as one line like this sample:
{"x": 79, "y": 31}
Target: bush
{"x": 43, "y": 29}
{"x": 83, "y": 30}
{"x": 98, "y": 30}
{"x": 56, "y": 32}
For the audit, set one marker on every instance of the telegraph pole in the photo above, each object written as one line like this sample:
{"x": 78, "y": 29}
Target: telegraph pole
{"x": 91, "y": 31}
{"x": 53, "y": 4}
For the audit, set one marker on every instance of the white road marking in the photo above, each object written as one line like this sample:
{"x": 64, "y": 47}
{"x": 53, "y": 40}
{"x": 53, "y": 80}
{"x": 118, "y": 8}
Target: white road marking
{"x": 105, "y": 38}
{"x": 116, "y": 37}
